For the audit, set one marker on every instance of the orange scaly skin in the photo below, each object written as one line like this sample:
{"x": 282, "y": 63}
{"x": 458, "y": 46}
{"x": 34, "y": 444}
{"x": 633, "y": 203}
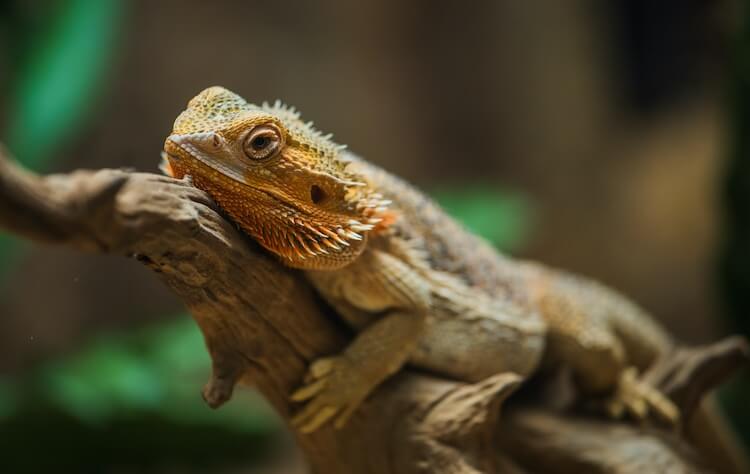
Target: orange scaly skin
{"x": 416, "y": 286}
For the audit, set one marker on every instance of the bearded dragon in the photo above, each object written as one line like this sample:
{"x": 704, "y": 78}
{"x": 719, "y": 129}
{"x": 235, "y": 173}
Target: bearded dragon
{"x": 415, "y": 285}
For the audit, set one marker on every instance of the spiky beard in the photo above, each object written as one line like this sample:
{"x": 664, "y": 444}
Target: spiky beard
{"x": 302, "y": 241}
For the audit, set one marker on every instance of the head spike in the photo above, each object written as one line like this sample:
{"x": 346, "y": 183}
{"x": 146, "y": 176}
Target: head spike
{"x": 304, "y": 245}
{"x": 361, "y": 227}
{"x": 328, "y": 232}
{"x": 315, "y": 231}
{"x": 331, "y": 244}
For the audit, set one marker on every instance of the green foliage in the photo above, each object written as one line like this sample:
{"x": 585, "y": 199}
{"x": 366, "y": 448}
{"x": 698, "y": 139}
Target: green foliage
{"x": 58, "y": 73}
{"x": 139, "y": 390}
{"x": 733, "y": 401}
{"x": 155, "y": 370}
{"x": 734, "y": 261}
{"x": 501, "y": 217}
{"x": 57, "y": 81}
{"x": 9, "y": 399}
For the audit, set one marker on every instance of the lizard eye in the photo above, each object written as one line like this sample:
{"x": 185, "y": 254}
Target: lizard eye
{"x": 263, "y": 142}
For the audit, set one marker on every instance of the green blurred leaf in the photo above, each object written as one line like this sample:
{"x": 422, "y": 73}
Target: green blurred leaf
{"x": 8, "y": 398}
{"x": 102, "y": 380}
{"x": 61, "y": 78}
{"x": 501, "y": 217}
{"x": 138, "y": 391}
{"x": 61, "y": 67}
{"x": 733, "y": 401}
{"x": 155, "y": 370}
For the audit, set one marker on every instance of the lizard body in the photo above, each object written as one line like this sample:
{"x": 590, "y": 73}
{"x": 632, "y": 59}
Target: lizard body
{"x": 414, "y": 284}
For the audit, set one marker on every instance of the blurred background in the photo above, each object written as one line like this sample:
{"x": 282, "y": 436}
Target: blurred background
{"x": 608, "y": 138}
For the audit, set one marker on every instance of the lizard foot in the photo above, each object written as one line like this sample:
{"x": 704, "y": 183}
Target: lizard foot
{"x": 640, "y": 400}
{"x": 333, "y": 389}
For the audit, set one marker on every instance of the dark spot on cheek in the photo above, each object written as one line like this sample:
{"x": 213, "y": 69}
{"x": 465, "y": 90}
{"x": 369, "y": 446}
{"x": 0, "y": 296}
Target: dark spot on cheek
{"x": 317, "y": 195}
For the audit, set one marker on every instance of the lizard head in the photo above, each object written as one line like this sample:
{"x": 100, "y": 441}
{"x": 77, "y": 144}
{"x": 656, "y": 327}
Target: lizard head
{"x": 280, "y": 180}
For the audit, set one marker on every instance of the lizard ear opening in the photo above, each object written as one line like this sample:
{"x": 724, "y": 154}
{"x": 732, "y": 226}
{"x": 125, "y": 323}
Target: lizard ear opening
{"x": 317, "y": 194}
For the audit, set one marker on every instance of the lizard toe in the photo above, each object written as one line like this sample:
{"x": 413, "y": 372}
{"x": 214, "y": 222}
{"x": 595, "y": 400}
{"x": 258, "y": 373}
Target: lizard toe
{"x": 308, "y": 391}
{"x": 333, "y": 392}
{"x": 640, "y": 400}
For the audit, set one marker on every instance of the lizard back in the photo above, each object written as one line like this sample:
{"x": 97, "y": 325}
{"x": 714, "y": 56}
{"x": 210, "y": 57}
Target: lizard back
{"x": 449, "y": 247}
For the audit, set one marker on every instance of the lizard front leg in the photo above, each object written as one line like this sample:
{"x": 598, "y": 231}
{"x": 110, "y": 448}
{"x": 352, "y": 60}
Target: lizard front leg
{"x": 337, "y": 385}
{"x": 393, "y": 292}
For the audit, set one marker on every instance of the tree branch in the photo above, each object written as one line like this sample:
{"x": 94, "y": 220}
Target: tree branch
{"x": 263, "y": 324}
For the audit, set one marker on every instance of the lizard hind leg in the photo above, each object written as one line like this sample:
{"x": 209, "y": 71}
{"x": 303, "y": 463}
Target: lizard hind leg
{"x": 580, "y": 338}
{"x": 640, "y": 400}
{"x": 602, "y": 371}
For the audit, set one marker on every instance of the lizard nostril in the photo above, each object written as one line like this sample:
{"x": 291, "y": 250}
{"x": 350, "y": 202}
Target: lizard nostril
{"x": 317, "y": 195}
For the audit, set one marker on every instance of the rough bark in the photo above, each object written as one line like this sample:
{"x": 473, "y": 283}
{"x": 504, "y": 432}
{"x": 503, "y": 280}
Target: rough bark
{"x": 263, "y": 324}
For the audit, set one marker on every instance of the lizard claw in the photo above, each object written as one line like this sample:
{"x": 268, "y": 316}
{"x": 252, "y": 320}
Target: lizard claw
{"x": 319, "y": 368}
{"x": 333, "y": 390}
{"x": 638, "y": 399}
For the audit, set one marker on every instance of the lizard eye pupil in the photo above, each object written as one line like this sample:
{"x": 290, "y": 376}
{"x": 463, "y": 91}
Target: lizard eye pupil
{"x": 263, "y": 142}
{"x": 260, "y": 143}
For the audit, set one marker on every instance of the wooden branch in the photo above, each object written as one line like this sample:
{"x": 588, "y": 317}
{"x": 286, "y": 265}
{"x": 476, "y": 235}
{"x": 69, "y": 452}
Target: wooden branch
{"x": 263, "y": 324}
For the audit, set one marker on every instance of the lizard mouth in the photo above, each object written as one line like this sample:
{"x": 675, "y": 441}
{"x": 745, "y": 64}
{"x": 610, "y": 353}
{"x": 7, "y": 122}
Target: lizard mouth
{"x": 176, "y": 157}
{"x": 174, "y": 151}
